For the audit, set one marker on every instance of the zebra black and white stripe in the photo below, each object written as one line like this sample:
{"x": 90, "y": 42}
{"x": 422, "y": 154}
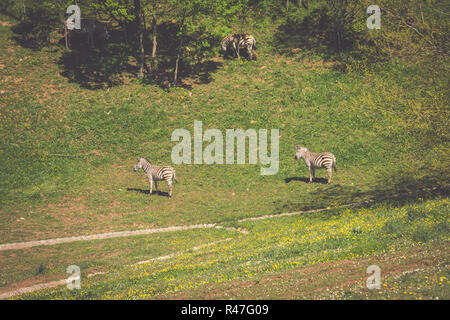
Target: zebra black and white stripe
{"x": 156, "y": 173}
{"x": 230, "y": 42}
{"x": 237, "y": 41}
{"x": 248, "y": 42}
{"x": 316, "y": 161}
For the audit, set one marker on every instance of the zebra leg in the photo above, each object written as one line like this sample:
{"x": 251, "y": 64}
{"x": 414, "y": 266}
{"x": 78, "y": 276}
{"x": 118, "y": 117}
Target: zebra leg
{"x": 310, "y": 174}
{"x": 329, "y": 171}
{"x": 156, "y": 187}
{"x": 169, "y": 183}
{"x": 151, "y": 185}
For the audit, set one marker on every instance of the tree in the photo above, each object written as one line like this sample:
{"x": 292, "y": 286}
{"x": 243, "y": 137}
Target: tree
{"x": 154, "y": 14}
{"x": 130, "y": 16}
{"x": 157, "y": 11}
{"x": 195, "y": 20}
{"x": 140, "y": 34}
{"x": 343, "y": 13}
{"x": 38, "y": 19}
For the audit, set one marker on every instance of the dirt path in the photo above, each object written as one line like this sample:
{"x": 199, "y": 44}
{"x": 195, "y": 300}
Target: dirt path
{"x": 41, "y": 286}
{"x": 118, "y": 234}
{"x": 29, "y": 244}
{"x": 53, "y": 284}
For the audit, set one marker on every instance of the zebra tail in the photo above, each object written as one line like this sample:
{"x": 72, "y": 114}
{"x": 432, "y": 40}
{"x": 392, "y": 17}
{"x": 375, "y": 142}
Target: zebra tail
{"x": 175, "y": 178}
{"x": 334, "y": 167}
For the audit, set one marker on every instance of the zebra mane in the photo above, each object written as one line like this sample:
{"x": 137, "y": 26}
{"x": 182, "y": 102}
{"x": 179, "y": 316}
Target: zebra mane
{"x": 144, "y": 160}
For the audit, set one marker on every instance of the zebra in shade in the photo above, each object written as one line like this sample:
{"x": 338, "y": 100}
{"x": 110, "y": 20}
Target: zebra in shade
{"x": 156, "y": 173}
{"x": 316, "y": 161}
{"x": 237, "y": 41}
{"x": 248, "y": 42}
{"x": 230, "y": 43}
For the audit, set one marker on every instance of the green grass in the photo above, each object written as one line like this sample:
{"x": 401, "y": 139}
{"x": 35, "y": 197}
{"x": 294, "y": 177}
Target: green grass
{"x": 67, "y": 153}
{"x": 49, "y": 263}
{"x": 281, "y": 244}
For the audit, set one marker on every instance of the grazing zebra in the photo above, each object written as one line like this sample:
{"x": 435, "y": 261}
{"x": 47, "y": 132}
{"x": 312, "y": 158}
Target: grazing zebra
{"x": 156, "y": 173}
{"x": 248, "y": 42}
{"x": 237, "y": 41}
{"x": 230, "y": 43}
{"x": 316, "y": 160}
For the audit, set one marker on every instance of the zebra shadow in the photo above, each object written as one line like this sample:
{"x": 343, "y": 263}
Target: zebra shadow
{"x": 147, "y": 191}
{"x": 306, "y": 180}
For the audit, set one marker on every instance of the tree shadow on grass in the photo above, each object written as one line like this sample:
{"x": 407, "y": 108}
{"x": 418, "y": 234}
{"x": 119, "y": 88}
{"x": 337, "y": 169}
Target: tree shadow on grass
{"x": 200, "y": 73}
{"x": 25, "y": 41}
{"x": 147, "y": 192}
{"x": 397, "y": 190}
{"x": 91, "y": 66}
{"x": 107, "y": 63}
{"x": 194, "y": 68}
{"x": 34, "y": 30}
{"x": 313, "y": 34}
{"x": 99, "y": 65}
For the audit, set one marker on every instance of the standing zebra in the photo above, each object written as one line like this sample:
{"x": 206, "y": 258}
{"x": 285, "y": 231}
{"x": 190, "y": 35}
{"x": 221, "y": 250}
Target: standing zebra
{"x": 316, "y": 161}
{"x": 247, "y": 41}
{"x": 237, "y": 41}
{"x": 156, "y": 173}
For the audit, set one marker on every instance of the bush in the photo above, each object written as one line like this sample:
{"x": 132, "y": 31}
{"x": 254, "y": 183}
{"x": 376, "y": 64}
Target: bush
{"x": 409, "y": 29}
{"x": 38, "y": 23}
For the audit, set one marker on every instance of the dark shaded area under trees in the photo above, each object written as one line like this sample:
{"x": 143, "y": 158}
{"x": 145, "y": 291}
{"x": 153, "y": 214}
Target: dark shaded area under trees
{"x": 165, "y": 41}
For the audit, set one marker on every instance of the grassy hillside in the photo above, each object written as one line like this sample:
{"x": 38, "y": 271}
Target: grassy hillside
{"x": 67, "y": 153}
{"x": 275, "y": 259}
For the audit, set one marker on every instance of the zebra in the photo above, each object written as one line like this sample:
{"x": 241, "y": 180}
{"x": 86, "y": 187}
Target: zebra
{"x": 247, "y": 41}
{"x": 230, "y": 42}
{"x": 316, "y": 160}
{"x": 235, "y": 42}
{"x": 156, "y": 173}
